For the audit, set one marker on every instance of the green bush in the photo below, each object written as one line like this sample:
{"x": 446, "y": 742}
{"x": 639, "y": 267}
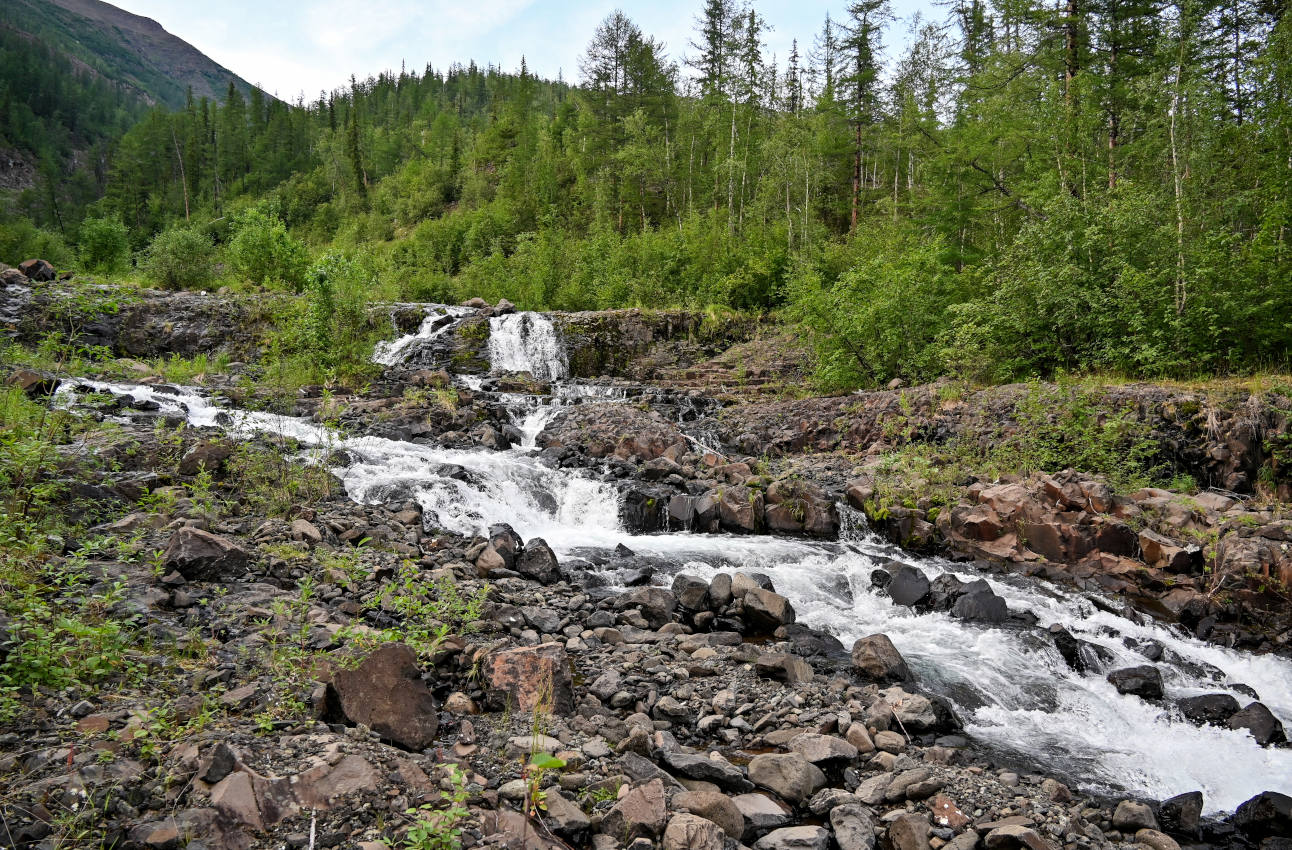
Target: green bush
{"x": 104, "y": 244}
{"x": 180, "y": 258}
{"x": 21, "y": 240}
{"x": 262, "y": 251}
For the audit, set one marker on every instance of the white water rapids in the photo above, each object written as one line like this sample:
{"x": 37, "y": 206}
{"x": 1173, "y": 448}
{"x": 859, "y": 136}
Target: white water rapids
{"x": 1009, "y": 685}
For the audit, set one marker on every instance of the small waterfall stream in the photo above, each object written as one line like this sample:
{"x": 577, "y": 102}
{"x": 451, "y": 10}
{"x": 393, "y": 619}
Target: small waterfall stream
{"x": 1010, "y": 685}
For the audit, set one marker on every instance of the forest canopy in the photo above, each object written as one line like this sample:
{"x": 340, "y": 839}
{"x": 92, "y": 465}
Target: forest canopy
{"x": 1021, "y": 189}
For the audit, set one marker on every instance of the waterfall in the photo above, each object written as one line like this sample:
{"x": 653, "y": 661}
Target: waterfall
{"x": 527, "y": 342}
{"x": 1009, "y": 684}
{"x": 439, "y": 319}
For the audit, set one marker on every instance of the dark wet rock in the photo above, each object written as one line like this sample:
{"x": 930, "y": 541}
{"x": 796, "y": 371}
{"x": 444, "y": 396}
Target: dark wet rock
{"x": 1261, "y": 722}
{"x": 692, "y": 593}
{"x": 1082, "y": 656}
{"x": 386, "y": 693}
{"x": 1144, "y": 681}
{"x": 765, "y": 611}
{"x": 503, "y": 549}
{"x": 1267, "y": 815}
{"x": 982, "y": 606}
{"x": 909, "y": 586}
{"x": 538, "y": 562}
{"x": 1181, "y": 814}
{"x": 39, "y": 271}
{"x": 1214, "y": 709}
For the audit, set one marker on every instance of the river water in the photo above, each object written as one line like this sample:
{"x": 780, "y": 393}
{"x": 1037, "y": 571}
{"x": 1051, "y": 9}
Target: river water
{"x": 1009, "y": 685}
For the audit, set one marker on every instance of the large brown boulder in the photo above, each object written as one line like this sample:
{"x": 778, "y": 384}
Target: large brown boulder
{"x": 201, "y": 556}
{"x": 386, "y": 693}
{"x": 530, "y": 677}
{"x": 876, "y": 658}
{"x": 740, "y": 509}
{"x": 641, "y": 813}
{"x": 38, "y": 270}
{"x": 799, "y": 507}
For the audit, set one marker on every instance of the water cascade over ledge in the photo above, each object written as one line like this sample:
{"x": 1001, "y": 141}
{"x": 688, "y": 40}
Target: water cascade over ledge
{"x": 1009, "y": 685}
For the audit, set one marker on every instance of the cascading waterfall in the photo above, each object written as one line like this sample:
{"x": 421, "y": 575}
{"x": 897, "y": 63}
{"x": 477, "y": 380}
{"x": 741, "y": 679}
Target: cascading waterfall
{"x": 1010, "y": 685}
{"x": 439, "y": 319}
{"x": 527, "y": 342}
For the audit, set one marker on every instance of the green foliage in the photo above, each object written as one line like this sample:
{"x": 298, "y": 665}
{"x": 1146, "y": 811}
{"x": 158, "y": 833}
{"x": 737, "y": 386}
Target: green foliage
{"x": 180, "y": 258}
{"x": 21, "y": 240}
{"x": 440, "y": 827}
{"x": 104, "y": 246}
{"x": 430, "y": 613}
{"x": 262, "y": 251}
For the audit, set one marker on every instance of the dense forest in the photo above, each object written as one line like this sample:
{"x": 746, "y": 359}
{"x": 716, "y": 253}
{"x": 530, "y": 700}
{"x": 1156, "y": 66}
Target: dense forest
{"x": 1023, "y": 189}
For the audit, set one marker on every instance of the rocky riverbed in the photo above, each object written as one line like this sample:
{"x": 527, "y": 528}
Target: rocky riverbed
{"x": 708, "y": 640}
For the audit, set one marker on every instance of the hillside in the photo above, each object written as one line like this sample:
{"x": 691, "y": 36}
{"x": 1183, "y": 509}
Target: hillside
{"x": 134, "y": 51}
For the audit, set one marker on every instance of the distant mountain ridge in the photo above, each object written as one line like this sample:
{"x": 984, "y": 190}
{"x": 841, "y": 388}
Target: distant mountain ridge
{"x": 127, "y": 49}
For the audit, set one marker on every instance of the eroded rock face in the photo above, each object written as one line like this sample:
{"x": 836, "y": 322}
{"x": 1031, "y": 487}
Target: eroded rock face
{"x": 387, "y": 694}
{"x": 614, "y": 430}
{"x": 201, "y": 556}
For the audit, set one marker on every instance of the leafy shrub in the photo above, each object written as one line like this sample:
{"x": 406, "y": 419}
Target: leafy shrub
{"x": 180, "y": 258}
{"x": 104, "y": 244}
{"x": 21, "y": 240}
{"x": 262, "y": 251}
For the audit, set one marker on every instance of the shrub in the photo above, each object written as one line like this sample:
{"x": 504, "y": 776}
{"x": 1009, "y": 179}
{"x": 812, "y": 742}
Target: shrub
{"x": 262, "y": 251}
{"x": 180, "y": 258}
{"x": 21, "y": 240}
{"x": 104, "y": 244}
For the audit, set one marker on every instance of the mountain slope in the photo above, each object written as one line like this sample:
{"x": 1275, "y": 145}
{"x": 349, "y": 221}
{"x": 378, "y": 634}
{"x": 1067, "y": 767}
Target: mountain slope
{"x": 125, "y": 48}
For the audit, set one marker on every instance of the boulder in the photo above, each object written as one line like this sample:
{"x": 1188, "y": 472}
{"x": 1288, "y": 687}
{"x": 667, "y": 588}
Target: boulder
{"x": 565, "y": 816}
{"x": 524, "y": 678}
{"x": 909, "y": 832}
{"x": 822, "y": 749}
{"x": 1015, "y": 837}
{"x": 788, "y": 775}
{"x": 1144, "y": 681}
{"x": 1131, "y": 816}
{"x": 208, "y": 454}
{"x": 795, "y": 838}
{"x": 692, "y": 593}
{"x": 538, "y": 562}
{"x": 762, "y": 812}
{"x": 783, "y": 667}
{"x": 1181, "y": 814}
{"x": 1258, "y": 720}
{"x": 386, "y": 693}
{"x": 766, "y": 611}
{"x": 692, "y": 832}
{"x": 1266, "y": 815}
{"x": 714, "y": 806}
{"x": 640, "y": 813}
{"x": 909, "y": 586}
{"x": 503, "y": 549}
{"x": 740, "y": 509}
{"x": 201, "y": 556}
{"x": 854, "y": 826}
{"x": 34, "y": 384}
{"x": 716, "y": 770}
{"x": 876, "y": 658}
{"x": 1214, "y": 709}
{"x": 655, "y": 603}
{"x": 38, "y": 270}
{"x": 1155, "y": 840}
{"x": 981, "y": 606}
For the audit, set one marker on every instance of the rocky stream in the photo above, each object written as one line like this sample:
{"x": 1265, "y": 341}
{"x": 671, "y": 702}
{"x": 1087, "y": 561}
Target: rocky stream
{"x": 724, "y": 650}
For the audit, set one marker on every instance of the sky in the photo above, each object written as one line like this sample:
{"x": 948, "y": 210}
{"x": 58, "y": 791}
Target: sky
{"x": 295, "y": 47}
